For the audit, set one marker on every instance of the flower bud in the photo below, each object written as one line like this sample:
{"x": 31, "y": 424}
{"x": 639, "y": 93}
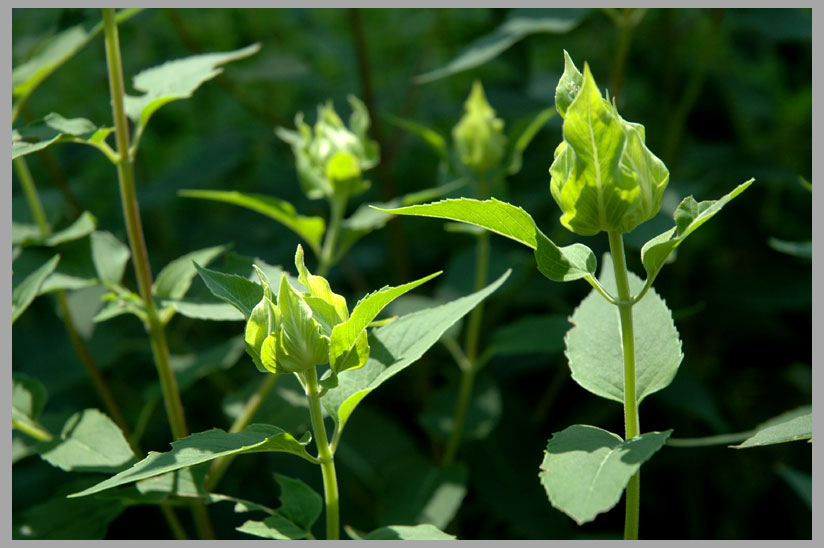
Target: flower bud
{"x": 603, "y": 176}
{"x": 331, "y": 157}
{"x": 478, "y": 136}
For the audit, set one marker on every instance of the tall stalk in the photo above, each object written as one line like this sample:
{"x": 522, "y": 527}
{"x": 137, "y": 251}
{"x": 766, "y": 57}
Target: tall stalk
{"x": 633, "y": 496}
{"x": 137, "y": 243}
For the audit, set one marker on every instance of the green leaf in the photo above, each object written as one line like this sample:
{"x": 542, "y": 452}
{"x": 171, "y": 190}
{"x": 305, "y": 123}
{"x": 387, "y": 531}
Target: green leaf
{"x": 408, "y": 532}
{"x": 394, "y": 347}
{"x": 802, "y": 250}
{"x": 60, "y": 518}
{"x": 239, "y": 292}
{"x": 205, "y": 310}
{"x": 530, "y": 335}
{"x": 89, "y": 442}
{"x": 800, "y": 482}
{"x": 482, "y": 413}
{"x": 525, "y": 137}
{"x": 343, "y": 352}
{"x": 176, "y": 277}
{"x": 688, "y": 217}
{"x": 298, "y": 344}
{"x": 595, "y": 352}
{"x": 28, "y": 395}
{"x": 311, "y": 229}
{"x": 568, "y": 86}
{"x": 54, "y": 128}
{"x": 521, "y": 23}
{"x": 23, "y": 295}
{"x": 109, "y": 256}
{"x": 174, "y": 80}
{"x": 27, "y": 235}
{"x": 585, "y": 469}
{"x": 431, "y": 137}
{"x": 560, "y": 264}
{"x": 274, "y": 527}
{"x": 790, "y": 426}
{"x": 204, "y": 447}
{"x": 300, "y": 508}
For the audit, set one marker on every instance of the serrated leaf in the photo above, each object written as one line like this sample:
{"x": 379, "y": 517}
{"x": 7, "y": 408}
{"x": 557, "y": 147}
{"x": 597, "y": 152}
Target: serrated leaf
{"x": 311, "y": 229}
{"x": 521, "y": 23}
{"x": 175, "y": 278}
{"x": 408, "y": 532}
{"x": 174, "y": 80}
{"x": 525, "y": 137}
{"x": 560, "y": 264}
{"x": 109, "y": 256}
{"x": 394, "y": 347}
{"x": 530, "y": 335}
{"x": 204, "y": 447}
{"x": 299, "y": 503}
{"x": 790, "y": 426}
{"x": 344, "y": 353}
{"x": 689, "y": 216}
{"x": 90, "y": 442}
{"x": 585, "y": 469}
{"x": 23, "y": 295}
{"x": 595, "y": 352}
{"x": 54, "y": 128}
{"x": 332, "y": 309}
{"x": 235, "y": 290}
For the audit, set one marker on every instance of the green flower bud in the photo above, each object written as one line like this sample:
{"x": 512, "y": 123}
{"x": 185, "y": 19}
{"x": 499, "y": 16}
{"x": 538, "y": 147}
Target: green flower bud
{"x": 603, "y": 176}
{"x": 479, "y": 138}
{"x": 331, "y": 157}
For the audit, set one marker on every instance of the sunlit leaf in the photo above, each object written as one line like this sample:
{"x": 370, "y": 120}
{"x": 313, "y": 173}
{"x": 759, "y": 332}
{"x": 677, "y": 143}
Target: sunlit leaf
{"x": 408, "y": 532}
{"x": 235, "y": 290}
{"x": 175, "y": 278}
{"x": 790, "y": 426}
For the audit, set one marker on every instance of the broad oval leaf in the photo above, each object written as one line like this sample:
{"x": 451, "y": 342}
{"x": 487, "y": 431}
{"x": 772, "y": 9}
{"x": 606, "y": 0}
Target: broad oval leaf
{"x": 560, "y": 264}
{"x": 311, "y": 229}
{"x": 594, "y": 347}
{"x": 204, "y": 447}
{"x": 394, "y": 347}
{"x": 585, "y": 469}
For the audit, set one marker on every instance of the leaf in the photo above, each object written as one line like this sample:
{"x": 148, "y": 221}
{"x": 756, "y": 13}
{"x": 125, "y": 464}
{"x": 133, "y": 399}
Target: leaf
{"x": 688, "y": 217}
{"x": 28, "y": 395}
{"x": 431, "y": 137}
{"x": 174, "y": 80}
{"x": 482, "y": 413}
{"x": 89, "y": 442}
{"x": 23, "y": 295}
{"x": 205, "y": 310}
{"x": 595, "y": 352}
{"x": 30, "y": 234}
{"x": 62, "y": 519}
{"x": 520, "y": 24}
{"x": 175, "y": 278}
{"x": 109, "y": 256}
{"x": 530, "y": 335}
{"x": 54, "y": 128}
{"x": 300, "y": 508}
{"x": 560, "y": 264}
{"x": 343, "y": 352}
{"x": 800, "y": 482}
{"x": 239, "y": 292}
{"x": 790, "y": 426}
{"x": 408, "y": 532}
{"x": 204, "y": 447}
{"x": 394, "y": 347}
{"x": 585, "y": 469}
{"x": 525, "y": 137}
{"x": 568, "y": 86}
{"x": 311, "y": 229}
{"x": 802, "y": 250}
{"x": 274, "y": 527}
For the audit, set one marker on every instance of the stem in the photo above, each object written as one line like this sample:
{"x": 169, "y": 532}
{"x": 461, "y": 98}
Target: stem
{"x": 30, "y": 190}
{"x": 219, "y": 466}
{"x": 327, "y": 255}
{"x": 616, "y": 246}
{"x": 327, "y": 459}
{"x": 32, "y": 429}
{"x": 137, "y": 243}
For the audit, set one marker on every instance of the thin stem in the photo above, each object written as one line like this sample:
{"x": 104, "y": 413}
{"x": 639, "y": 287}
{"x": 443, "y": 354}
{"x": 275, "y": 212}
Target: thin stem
{"x": 616, "y": 246}
{"x": 32, "y": 429}
{"x": 327, "y": 255}
{"x": 219, "y": 466}
{"x": 327, "y": 459}
{"x": 30, "y": 190}
{"x": 137, "y": 243}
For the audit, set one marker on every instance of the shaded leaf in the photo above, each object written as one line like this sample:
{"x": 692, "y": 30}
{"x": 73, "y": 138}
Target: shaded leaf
{"x": 525, "y": 137}
{"x": 800, "y": 482}
{"x": 27, "y": 235}
{"x": 60, "y": 518}
{"x": 239, "y": 292}
{"x": 204, "y": 447}
{"x": 175, "y": 278}
{"x": 482, "y": 414}
{"x": 530, "y": 335}
{"x": 585, "y": 469}
{"x": 595, "y": 352}
{"x": 431, "y": 137}
{"x": 790, "y": 426}
{"x": 205, "y": 310}
{"x": 300, "y": 508}
{"x": 54, "y": 128}
{"x": 109, "y": 256}
{"x": 23, "y": 295}
{"x": 802, "y": 250}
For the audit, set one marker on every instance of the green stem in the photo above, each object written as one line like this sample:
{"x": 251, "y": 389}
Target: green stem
{"x": 219, "y": 466}
{"x": 30, "y": 190}
{"x": 616, "y": 246}
{"x": 137, "y": 244}
{"x": 327, "y": 459}
{"x": 31, "y": 428}
{"x": 327, "y": 255}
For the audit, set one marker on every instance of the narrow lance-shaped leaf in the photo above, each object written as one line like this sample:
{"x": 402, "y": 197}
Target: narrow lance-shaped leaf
{"x": 790, "y": 426}
{"x": 311, "y": 229}
{"x": 23, "y": 295}
{"x": 204, "y": 447}
{"x": 689, "y": 216}
{"x": 343, "y": 352}
{"x": 585, "y": 469}
{"x": 394, "y": 347}
{"x": 560, "y": 264}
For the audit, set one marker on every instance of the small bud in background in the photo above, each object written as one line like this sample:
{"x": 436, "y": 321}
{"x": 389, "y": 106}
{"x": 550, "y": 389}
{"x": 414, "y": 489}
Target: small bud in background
{"x": 479, "y": 138}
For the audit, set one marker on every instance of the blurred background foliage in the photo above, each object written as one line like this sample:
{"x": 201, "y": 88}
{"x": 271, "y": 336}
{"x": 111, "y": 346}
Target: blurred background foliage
{"x": 725, "y": 95}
